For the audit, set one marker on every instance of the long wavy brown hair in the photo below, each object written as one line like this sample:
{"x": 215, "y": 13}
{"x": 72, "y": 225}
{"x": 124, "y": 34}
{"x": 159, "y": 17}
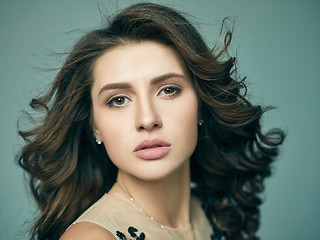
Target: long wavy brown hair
{"x": 69, "y": 171}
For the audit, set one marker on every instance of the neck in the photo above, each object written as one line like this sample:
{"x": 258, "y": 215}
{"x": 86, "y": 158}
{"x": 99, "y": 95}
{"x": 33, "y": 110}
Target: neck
{"x": 167, "y": 200}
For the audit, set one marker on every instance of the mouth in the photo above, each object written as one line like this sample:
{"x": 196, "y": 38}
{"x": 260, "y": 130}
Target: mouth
{"x": 152, "y": 149}
{"x": 150, "y": 144}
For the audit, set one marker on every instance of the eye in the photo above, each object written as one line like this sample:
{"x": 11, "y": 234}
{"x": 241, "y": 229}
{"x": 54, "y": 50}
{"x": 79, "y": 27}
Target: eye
{"x": 170, "y": 91}
{"x": 117, "y": 101}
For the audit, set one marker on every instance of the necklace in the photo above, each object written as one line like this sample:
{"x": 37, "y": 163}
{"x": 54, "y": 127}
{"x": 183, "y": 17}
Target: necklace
{"x": 148, "y": 216}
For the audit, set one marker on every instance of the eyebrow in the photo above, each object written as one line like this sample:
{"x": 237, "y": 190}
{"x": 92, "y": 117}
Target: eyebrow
{"x": 126, "y": 85}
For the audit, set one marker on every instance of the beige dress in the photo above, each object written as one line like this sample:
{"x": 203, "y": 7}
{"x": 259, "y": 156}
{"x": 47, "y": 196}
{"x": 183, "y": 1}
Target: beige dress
{"x": 121, "y": 217}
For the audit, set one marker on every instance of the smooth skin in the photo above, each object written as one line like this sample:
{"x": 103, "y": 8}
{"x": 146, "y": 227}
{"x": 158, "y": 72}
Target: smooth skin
{"x": 143, "y": 91}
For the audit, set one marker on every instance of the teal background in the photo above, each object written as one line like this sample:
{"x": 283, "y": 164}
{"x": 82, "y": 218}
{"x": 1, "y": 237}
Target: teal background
{"x": 277, "y": 43}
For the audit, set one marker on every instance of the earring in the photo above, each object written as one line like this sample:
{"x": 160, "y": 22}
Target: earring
{"x": 98, "y": 141}
{"x": 200, "y": 122}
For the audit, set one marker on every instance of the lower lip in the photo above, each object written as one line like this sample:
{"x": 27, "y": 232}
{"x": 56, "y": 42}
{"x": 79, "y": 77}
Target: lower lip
{"x": 152, "y": 153}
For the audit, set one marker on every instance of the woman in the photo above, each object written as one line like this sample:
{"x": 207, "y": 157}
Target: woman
{"x": 141, "y": 111}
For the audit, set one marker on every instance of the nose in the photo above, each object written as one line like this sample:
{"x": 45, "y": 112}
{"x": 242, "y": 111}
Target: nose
{"x": 147, "y": 117}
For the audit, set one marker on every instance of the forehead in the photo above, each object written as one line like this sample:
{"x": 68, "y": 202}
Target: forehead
{"x": 143, "y": 60}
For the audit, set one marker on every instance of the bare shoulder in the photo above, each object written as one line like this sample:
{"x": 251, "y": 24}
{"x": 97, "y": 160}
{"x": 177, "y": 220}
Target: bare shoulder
{"x": 86, "y": 231}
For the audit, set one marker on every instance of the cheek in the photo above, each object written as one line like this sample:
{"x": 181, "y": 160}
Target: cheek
{"x": 186, "y": 121}
{"x": 190, "y": 122}
{"x": 187, "y": 118}
{"x": 188, "y": 110}
{"x": 114, "y": 142}
{"x": 113, "y": 132}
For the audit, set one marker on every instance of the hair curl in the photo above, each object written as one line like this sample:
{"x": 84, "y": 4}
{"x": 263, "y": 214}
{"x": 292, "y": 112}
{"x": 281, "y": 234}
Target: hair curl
{"x": 68, "y": 171}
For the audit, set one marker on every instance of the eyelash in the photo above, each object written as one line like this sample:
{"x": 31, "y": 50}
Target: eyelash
{"x": 176, "y": 90}
{"x": 111, "y": 103}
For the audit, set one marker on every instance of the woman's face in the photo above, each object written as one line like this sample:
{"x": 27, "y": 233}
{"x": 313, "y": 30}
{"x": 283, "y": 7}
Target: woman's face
{"x": 145, "y": 109}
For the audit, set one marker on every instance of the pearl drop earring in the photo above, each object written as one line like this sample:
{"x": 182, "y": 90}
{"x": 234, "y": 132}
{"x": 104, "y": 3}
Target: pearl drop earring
{"x": 201, "y": 122}
{"x": 98, "y": 141}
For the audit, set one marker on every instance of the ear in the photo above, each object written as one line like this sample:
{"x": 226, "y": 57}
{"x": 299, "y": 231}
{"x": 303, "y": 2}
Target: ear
{"x": 96, "y": 131}
{"x": 97, "y": 134}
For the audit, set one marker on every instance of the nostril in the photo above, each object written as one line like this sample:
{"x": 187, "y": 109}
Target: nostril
{"x": 141, "y": 128}
{"x": 150, "y": 126}
{"x": 148, "y": 119}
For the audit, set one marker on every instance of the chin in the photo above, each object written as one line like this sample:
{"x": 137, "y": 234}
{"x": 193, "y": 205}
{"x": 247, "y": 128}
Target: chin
{"x": 153, "y": 176}
{"x": 157, "y": 170}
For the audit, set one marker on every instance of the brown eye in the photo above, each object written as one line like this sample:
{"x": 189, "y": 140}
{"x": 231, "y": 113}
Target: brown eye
{"x": 117, "y": 101}
{"x": 168, "y": 91}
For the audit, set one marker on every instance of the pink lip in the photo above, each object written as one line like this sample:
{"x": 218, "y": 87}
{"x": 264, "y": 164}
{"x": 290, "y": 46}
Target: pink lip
{"x": 152, "y": 149}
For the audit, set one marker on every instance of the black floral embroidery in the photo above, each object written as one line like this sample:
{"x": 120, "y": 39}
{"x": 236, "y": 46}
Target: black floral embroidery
{"x": 121, "y": 236}
{"x": 133, "y": 233}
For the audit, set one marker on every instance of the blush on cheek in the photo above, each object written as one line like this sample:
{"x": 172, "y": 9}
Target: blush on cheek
{"x": 189, "y": 112}
{"x": 111, "y": 139}
{"x": 187, "y": 121}
{"x": 113, "y": 151}
{"x": 115, "y": 141}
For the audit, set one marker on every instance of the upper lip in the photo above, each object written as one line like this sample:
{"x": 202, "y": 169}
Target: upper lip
{"x": 151, "y": 143}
